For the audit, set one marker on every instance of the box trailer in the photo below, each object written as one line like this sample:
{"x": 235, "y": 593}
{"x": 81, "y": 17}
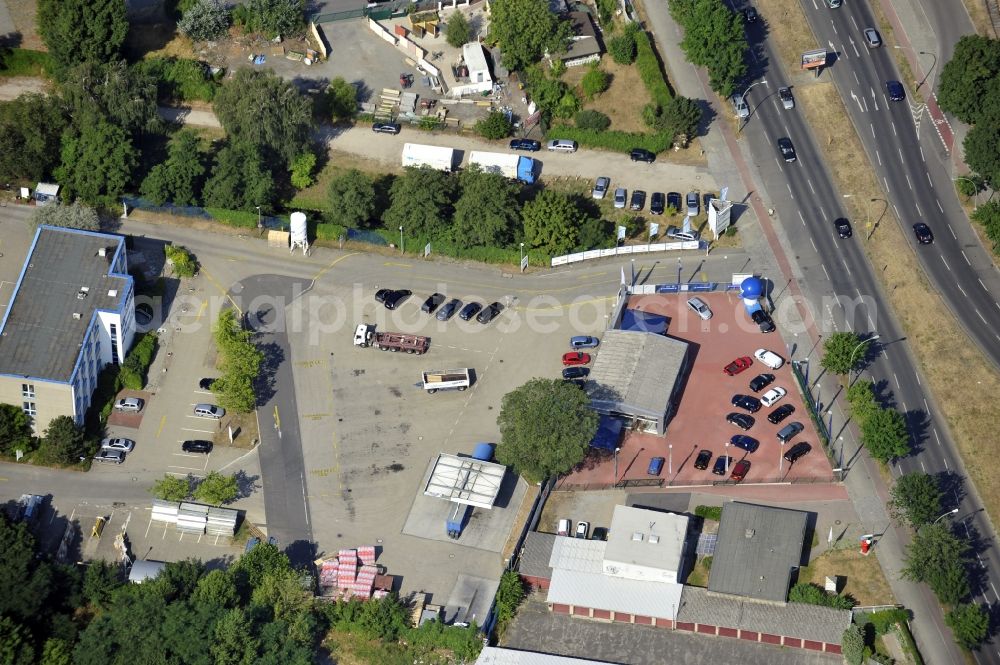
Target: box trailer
{"x": 506, "y": 164}
{"x": 446, "y": 379}
{"x": 436, "y": 157}
{"x": 365, "y": 335}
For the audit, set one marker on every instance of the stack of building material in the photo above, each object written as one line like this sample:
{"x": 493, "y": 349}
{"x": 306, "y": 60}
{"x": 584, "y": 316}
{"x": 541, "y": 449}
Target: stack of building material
{"x": 347, "y": 568}
{"x": 365, "y": 582}
{"x": 367, "y": 555}
{"x": 328, "y": 573}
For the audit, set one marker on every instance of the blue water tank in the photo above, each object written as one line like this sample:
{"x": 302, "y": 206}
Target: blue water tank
{"x": 483, "y": 451}
{"x": 752, "y": 288}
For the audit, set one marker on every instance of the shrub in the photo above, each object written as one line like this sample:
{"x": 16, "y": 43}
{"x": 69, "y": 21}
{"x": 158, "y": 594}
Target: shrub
{"x": 204, "y": 21}
{"x": 73, "y": 216}
{"x": 494, "y": 126}
{"x": 606, "y": 10}
{"x": 649, "y": 69}
{"x": 812, "y": 594}
{"x": 302, "y": 170}
{"x": 137, "y": 362}
{"x": 510, "y": 593}
{"x": 623, "y": 48}
{"x": 613, "y": 140}
{"x": 709, "y": 512}
{"x": 458, "y": 31}
{"x": 180, "y": 79}
{"x": 595, "y": 82}
{"x": 272, "y": 18}
{"x": 707, "y": 562}
{"x": 589, "y": 119}
{"x": 182, "y": 260}
{"x": 558, "y": 68}
{"x": 883, "y": 621}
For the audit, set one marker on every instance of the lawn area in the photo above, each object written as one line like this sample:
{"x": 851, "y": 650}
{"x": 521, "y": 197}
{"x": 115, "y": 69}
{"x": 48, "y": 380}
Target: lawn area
{"x": 864, "y": 578}
{"x": 699, "y": 573}
{"x": 24, "y": 62}
{"x": 315, "y": 197}
{"x": 622, "y": 101}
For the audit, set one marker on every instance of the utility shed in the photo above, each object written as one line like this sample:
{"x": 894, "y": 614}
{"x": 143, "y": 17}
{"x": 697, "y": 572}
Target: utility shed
{"x": 757, "y": 550}
{"x": 637, "y": 375}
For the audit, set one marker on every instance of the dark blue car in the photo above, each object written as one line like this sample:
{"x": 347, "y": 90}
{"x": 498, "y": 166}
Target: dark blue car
{"x": 525, "y": 144}
{"x": 655, "y": 466}
{"x": 747, "y": 443}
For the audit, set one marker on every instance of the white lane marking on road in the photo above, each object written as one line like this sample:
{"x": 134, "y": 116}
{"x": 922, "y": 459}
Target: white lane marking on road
{"x": 926, "y": 407}
{"x": 801, "y": 217}
{"x": 938, "y": 438}
{"x": 844, "y": 261}
{"x": 961, "y": 289}
{"x": 894, "y": 132}
{"x": 886, "y": 183}
{"x": 966, "y": 258}
{"x": 922, "y": 467}
{"x": 920, "y": 212}
{"x": 811, "y": 188}
{"x": 945, "y": 264}
{"x": 879, "y": 158}
{"x": 873, "y": 129}
{"x": 855, "y": 24}
{"x": 790, "y": 190}
{"x": 896, "y": 209}
{"x": 945, "y": 460}
{"x": 813, "y": 243}
{"x": 822, "y": 212}
{"x": 779, "y": 164}
{"x": 900, "y": 150}
{"x": 897, "y": 384}
{"x": 981, "y": 316}
{"x": 994, "y": 590}
{"x": 952, "y": 231}
{"x": 905, "y": 408}
{"x": 870, "y": 322}
{"x": 908, "y": 180}
{"x": 939, "y": 205}
{"x": 855, "y": 47}
{"x": 856, "y": 77}
{"x": 922, "y": 158}
{"x": 865, "y": 100}
{"x": 917, "y": 376}
{"x": 834, "y": 25}
{"x": 823, "y": 266}
{"x": 982, "y": 285}
{"x": 929, "y": 181}
{"x": 203, "y": 431}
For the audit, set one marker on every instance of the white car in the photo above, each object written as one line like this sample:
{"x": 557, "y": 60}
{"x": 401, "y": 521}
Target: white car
{"x": 582, "y": 529}
{"x": 564, "y": 527}
{"x": 700, "y": 308}
{"x": 124, "y": 445}
{"x": 769, "y": 358}
{"x": 772, "y": 396}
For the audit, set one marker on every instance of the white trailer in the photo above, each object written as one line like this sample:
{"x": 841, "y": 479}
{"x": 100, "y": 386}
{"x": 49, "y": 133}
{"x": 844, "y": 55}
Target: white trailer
{"x": 446, "y": 379}
{"x": 506, "y": 164}
{"x": 436, "y": 157}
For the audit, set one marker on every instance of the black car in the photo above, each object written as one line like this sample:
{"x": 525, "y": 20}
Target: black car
{"x": 469, "y": 311}
{"x": 489, "y": 313}
{"x": 744, "y": 442}
{"x": 843, "y": 227}
{"x": 393, "y": 300}
{"x": 780, "y": 413}
{"x": 432, "y": 303}
{"x": 526, "y": 144}
{"x": 638, "y": 200}
{"x": 796, "y": 451}
{"x": 761, "y": 381}
{"x": 747, "y": 403}
{"x": 750, "y": 15}
{"x": 599, "y": 533}
{"x": 642, "y": 155}
{"x": 763, "y": 321}
{"x": 895, "y": 90}
{"x": 674, "y": 201}
{"x": 741, "y": 420}
{"x": 575, "y": 372}
{"x": 786, "y": 149}
{"x": 721, "y": 464}
{"x": 197, "y": 446}
{"x": 206, "y": 384}
{"x": 923, "y": 233}
{"x": 386, "y": 128}
{"x": 381, "y": 294}
{"x": 449, "y": 309}
{"x": 704, "y": 457}
{"x": 706, "y": 199}
{"x": 657, "y": 203}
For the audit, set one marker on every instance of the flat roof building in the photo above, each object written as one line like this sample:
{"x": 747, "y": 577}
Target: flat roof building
{"x": 646, "y": 545}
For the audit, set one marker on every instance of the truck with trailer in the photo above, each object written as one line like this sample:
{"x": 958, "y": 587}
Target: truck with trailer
{"x": 506, "y": 164}
{"x": 366, "y": 336}
{"x": 436, "y": 157}
{"x": 446, "y": 379}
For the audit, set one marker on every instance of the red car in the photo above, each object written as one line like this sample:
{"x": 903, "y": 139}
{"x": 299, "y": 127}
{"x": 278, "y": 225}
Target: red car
{"x": 576, "y": 358}
{"x": 740, "y": 470}
{"x": 738, "y": 365}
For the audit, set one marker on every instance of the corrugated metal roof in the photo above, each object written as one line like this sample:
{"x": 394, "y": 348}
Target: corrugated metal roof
{"x": 498, "y": 656}
{"x": 757, "y": 549}
{"x": 635, "y": 372}
{"x": 578, "y": 555}
{"x": 605, "y": 592}
{"x": 535, "y": 555}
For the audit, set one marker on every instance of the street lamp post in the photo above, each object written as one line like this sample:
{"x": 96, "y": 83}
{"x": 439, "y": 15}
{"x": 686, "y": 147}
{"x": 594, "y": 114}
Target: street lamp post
{"x": 521, "y": 264}
{"x": 617, "y": 450}
{"x": 850, "y": 363}
{"x": 933, "y": 64}
{"x": 670, "y": 459}
{"x": 727, "y": 458}
{"x": 743, "y": 100}
{"x": 781, "y": 457}
{"x": 402, "y": 249}
{"x": 260, "y": 223}
{"x": 975, "y": 195}
{"x": 950, "y": 512}
{"x": 868, "y": 215}
{"x": 680, "y": 267}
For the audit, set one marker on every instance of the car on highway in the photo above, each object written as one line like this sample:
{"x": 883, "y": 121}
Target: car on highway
{"x": 448, "y": 310}
{"x": 700, "y": 307}
{"x": 469, "y": 311}
{"x": 601, "y": 187}
{"x": 638, "y": 201}
{"x": 677, "y": 233}
{"x": 773, "y": 396}
{"x": 386, "y": 128}
{"x": 923, "y": 233}
{"x": 396, "y": 298}
{"x": 786, "y": 149}
{"x": 575, "y": 358}
{"x": 872, "y": 38}
{"x": 761, "y": 381}
{"x": 432, "y": 303}
{"x": 526, "y": 144}
{"x": 740, "y": 471}
{"x": 763, "y": 320}
{"x": 657, "y": 203}
{"x": 895, "y": 90}
{"x": 740, "y": 104}
{"x": 129, "y": 404}
{"x": 583, "y": 342}
{"x": 642, "y": 155}
{"x": 750, "y": 15}
{"x": 197, "y": 446}
{"x": 206, "y": 383}
{"x": 746, "y": 402}
{"x": 796, "y": 451}
{"x": 702, "y": 460}
{"x": 489, "y": 313}
{"x": 785, "y": 95}
{"x": 741, "y": 420}
{"x": 789, "y": 431}
{"x": 109, "y": 456}
{"x": 124, "y": 445}
{"x": 655, "y": 466}
{"x": 692, "y": 204}
{"x": 738, "y": 365}
{"x": 381, "y": 295}
{"x": 769, "y": 358}
{"x": 674, "y": 201}
{"x": 780, "y": 413}
{"x": 582, "y": 529}
{"x": 721, "y": 463}
{"x": 575, "y": 372}
{"x": 843, "y": 227}
{"x": 213, "y": 411}
{"x": 621, "y": 197}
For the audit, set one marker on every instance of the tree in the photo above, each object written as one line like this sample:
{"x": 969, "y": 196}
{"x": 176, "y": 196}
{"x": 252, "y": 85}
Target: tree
{"x": 204, "y": 21}
{"x": 73, "y": 216}
{"x": 936, "y": 556}
{"x": 341, "y": 99}
{"x": 302, "y": 170}
{"x": 100, "y": 581}
{"x": 260, "y": 108}
{"x": 458, "y": 31}
{"x": 525, "y": 30}
{"x": 843, "y": 352}
{"x": 240, "y": 179}
{"x": 988, "y": 215}
{"x": 179, "y": 178}
{"x": 546, "y": 426}
{"x": 56, "y": 652}
{"x": 15, "y": 643}
{"x": 82, "y": 30}
{"x": 713, "y": 38}
{"x": 114, "y": 93}
{"x": 812, "y": 594}
{"x": 552, "y": 95}
{"x": 217, "y": 588}
{"x": 24, "y": 579}
{"x": 595, "y": 81}
{"x": 852, "y": 645}
{"x": 64, "y": 440}
{"x": 916, "y": 499}
{"x": 884, "y": 434}
{"x": 591, "y": 119}
{"x": 15, "y": 429}
{"x": 509, "y": 596}
{"x": 264, "y": 559}
{"x": 551, "y": 222}
{"x": 97, "y": 164}
{"x": 217, "y": 489}
{"x": 30, "y": 130}
{"x": 970, "y": 78}
{"x": 969, "y": 623}
{"x": 234, "y": 642}
{"x": 861, "y": 396}
{"x": 494, "y": 126}
{"x": 171, "y": 488}
{"x": 352, "y": 199}
{"x": 680, "y": 117}
{"x": 981, "y": 152}
{"x": 272, "y": 18}
{"x": 623, "y": 48}
{"x": 487, "y": 212}
{"x": 421, "y": 202}
{"x": 240, "y": 362}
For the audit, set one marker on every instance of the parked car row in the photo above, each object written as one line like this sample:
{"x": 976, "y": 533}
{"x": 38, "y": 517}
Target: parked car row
{"x": 393, "y": 298}
{"x": 582, "y": 530}
{"x": 574, "y": 361}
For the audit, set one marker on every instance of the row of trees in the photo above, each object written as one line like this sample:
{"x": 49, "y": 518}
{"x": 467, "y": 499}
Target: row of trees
{"x": 240, "y": 361}
{"x": 713, "y": 38}
{"x": 215, "y": 488}
{"x": 63, "y": 442}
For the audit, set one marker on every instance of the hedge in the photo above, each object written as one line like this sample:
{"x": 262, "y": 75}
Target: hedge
{"x": 649, "y": 70}
{"x": 238, "y": 218}
{"x": 137, "y": 362}
{"x": 483, "y": 254}
{"x": 613, "y": 140}
{"x": 884, "y": 620}
{"x": 709, "y": 512}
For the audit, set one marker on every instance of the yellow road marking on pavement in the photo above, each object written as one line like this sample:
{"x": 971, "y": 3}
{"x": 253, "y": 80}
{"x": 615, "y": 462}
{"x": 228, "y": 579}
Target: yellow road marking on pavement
{"x": 201, "y": 310}
{"x": 221, "y": 290}
{"x": 400, "y": 265}
{"x": 159, "y": 430}
{"x": 315, "y": 416}
{"x": 329, "y": 266}
{"x": 277, "y": 418}
{"x": 309, "y": 363}
{"x": 323, "y": 473}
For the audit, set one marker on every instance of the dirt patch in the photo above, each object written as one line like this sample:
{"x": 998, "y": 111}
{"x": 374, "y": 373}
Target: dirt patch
{"x": 316, "y": 196}
{"x": 980, "y": 17}
{"x": 622, "y": 101}
{"x": 793, "y": 36}
{"x": 244, "y": 426}
{"x": 23, "y": 13}
{"x": 158, "y": 40}
{"x": 862, "y": 576}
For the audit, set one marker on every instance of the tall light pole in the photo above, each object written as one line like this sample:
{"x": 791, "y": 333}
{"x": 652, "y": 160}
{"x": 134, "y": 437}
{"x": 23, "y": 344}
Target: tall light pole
{"x": 402, "y": 249}
{"x": 781, "y": 457}
{"x": 975, "y": 192}
{"x": 670, "y": 459}
{"x": 727, "y": 458}
{"x": 933, "y": 64}
{"x": 850, "y": 363}
{"x": 950, "y": 512}
{"x": 680, "y": 267}
{"x": 260, "y": 223}
{"x": 743, "y": 100}
{"x": 868, "y": 215}
{"x": 521, "y": 264}
{"x": 617, "y": 450}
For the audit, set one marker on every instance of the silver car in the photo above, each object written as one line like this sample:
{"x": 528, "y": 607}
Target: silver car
{"x": 124, "y": 445}
{"x": 700, "y": 308}
{"x": 109, "y": 456}
{"x": 742, "y": 110}
{"x": 872, "y": 38}
{"x": 601, "y": 187}
{"x": 209, "y": 411}
{"x": 785, "y": 94}
{"x": 692, "y": 204}
{"x": 621, "y": 196}
{"x": 131, "y": 404}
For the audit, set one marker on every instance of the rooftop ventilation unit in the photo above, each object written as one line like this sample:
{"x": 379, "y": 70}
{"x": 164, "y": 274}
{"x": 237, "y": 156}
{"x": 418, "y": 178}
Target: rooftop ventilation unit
{"x": 82, "y": 293}
{"x": 76, "y": 315}
{"x": 749, "y": 533}
{"x": 103, "y": 251}
{"x": 654, "y": 540}
{"x": 112, "y": 293}
{"x": 637, "y": 536}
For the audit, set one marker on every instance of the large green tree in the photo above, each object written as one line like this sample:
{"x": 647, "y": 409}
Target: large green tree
{"x": 421, "y": 202}
{"x": 936, "y": 556}
{"x": 25, "y": 580}
{"x": 969, "y": 623}
{"x": 205, "y": 20}
{"x": 216, "y": 489}
{"x": 341, "y": 99}
{"x": 843, "y": 352}
{"x": 852, "y": 645}
{"x": 82, "y": 30}
{"x": 15, "y": 430}
{"x": 487, "y": 213}
{"x": 884, "y": 434}
{"x": 171, "y": 488}
{"x": 240, "y": 180}
{"x": 30, "y": 130}
{"x": 546, "y": 426}
{"x": 111, "y": 92}
{"x": 352, "y": 199}
{"x": 179, "y": 178}
{"x": 916, "y": 499}
{"x": 982, "y": 147}
{"x": 714, "y": 38}
{"x": 240, "y": 360}
{"x": 73, "y": 216}
{"x": 272, "y": 18}
{"x": 526, "y": 30}
{"x": 551, "y": 222}
{"x": 97, "y": 163}
{"x": 64, "y": 440}
{"x": 458, "y": 31}
{"x": 970, "y": 81}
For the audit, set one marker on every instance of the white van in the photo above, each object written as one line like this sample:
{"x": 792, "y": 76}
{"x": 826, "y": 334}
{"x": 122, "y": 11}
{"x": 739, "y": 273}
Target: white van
{"x": 209, "y": 411}
{"x": 562, "y": 145}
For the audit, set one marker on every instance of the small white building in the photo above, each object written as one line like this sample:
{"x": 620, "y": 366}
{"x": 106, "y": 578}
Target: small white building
{"x": 46, "y": 193}
{"x": 479, "y": 79}
{"x": 646, "y": 545}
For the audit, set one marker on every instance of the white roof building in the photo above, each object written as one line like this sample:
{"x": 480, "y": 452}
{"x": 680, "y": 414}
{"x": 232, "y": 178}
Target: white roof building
{"x": 645, "y": 545}
{"x": 479, "y": 79}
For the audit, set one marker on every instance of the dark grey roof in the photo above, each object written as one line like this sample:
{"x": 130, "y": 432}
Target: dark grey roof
{"x": 809, "y": 622}
{"x": 41, "y": 338}
{"x": 584, "y": 41}
{"x": 634, "y": 372}
{"x": 757, "y": 549}
{"x": 535, "y": 555}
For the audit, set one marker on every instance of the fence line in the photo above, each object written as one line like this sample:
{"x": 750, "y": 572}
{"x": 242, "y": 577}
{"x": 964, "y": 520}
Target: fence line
{"x": 626, "y": 250}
